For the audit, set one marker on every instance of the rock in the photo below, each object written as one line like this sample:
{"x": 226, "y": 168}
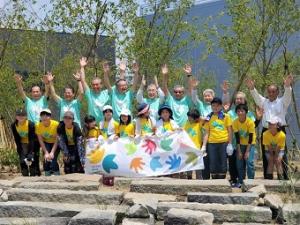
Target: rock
{"x": 139, "y": 221}
{"x": 188, "y": 217}
{"x": 41, "y": 220}
{"x": 52, "y": 209}
{"x": 281, "y": 186}
{"x": 148, "y": 200}
{"x": 94, "y": 217}
{"x": 291, "y": 213}
{"x": 73, "y": 186}
{"x": 261, "y": 202}
{"x": 137, "y": 211}
{"x": 6, "y": 184}
{"x": 273, "y": 201}
{"x": 222, "y": 198}
{"x": 1, "y": 191}
{"x": 260, "y": 190}
{"x": 180, "y": 186}
{"x": 246, "y": 224}
{"x": 4, "y": 197}
{"x": 222, "y": 213}
{"x": 65, "y": 196}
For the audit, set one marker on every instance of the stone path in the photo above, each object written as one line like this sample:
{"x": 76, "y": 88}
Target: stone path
{"x": 80, "y": 199}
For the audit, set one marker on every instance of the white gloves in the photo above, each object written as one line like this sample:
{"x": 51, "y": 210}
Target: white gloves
{"x": 203, "y": 151}
{"x": 229, "y": 149}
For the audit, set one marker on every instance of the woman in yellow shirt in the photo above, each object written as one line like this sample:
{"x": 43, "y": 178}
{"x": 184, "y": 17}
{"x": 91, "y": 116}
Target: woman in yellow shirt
{"x": 274, "y": 142}
{"x": 46, "y": 131}
{"x": 126, "y": 127}
{"x": 70, "y": 141}
{"x": 218, "y": 136}
{"x": 27, "y": 144}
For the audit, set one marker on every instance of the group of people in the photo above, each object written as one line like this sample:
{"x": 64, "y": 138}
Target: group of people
{"x": 223, "y": 134}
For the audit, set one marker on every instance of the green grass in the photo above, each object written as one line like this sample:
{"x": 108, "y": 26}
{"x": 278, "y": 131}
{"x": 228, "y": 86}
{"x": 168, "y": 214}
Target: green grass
{"x": 9, "y": 157}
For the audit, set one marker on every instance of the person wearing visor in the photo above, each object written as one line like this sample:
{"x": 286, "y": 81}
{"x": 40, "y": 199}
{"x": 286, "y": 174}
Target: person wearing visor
{"x": 108, "y": 126}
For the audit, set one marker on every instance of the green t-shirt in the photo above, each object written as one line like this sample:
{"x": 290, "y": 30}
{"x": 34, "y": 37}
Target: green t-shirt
{"x": 180, "y": 108}
{"x": 73, "y": 106}
{"x": 34, "y": 107}
{"x": 120, "y": 101}
{"x": 154, "y": 106}
{"x": 96, "y": 101}
{"x": 203, "y": 108}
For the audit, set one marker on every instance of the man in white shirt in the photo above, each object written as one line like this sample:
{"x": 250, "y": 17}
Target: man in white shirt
{"x": 273, "y": 106}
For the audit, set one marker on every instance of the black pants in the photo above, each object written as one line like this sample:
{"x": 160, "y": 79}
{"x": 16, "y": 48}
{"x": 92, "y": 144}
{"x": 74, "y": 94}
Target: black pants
{"x": 33, "y": 169}
{"x": 73, "y": 164}
{"x": 285, "y": 167}
{"x": 206, "y": 171}
{"x": 232, "y": 167}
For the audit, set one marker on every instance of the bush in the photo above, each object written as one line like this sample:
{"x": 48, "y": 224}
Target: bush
{"x": 9, "y": 157}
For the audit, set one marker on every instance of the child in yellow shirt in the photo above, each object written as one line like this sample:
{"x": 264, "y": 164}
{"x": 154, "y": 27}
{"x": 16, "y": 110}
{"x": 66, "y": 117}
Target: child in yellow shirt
{"x": 126, "y": 127}
{"x": 165, "y": 123}
{"x": 108, "y": 126}
{"x": 218, "y": 132}
{"x": 194, "y": 129}
{"x": 145, "y": 125}
{"x": 244, "y": 131}
{"x": 274, "y": 142}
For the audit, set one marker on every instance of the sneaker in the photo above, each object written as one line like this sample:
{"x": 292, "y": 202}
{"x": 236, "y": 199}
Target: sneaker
{"x": 237, "y": 185}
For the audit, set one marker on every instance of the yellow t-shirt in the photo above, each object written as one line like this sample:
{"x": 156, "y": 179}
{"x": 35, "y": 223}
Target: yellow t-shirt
{"x": 69, "y": 133}
{"x": 146, "y": 126}
{"x": 48, "y": 133}
{"x": 126, "y": 130}
{"x": 23, "y": 132}
{"x": 167, "y": 126}
{"x": 94, "y": 133}
{"x": 217, "y": 129}
{"x": 104, "y": 131}
{"x": 244, "y": 129}
{"x": 194, "y": 131}
{"x": 274, "y": 141}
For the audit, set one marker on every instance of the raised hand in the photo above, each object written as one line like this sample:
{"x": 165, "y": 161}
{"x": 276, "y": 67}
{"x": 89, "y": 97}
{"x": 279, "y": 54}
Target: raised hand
{"x": 143, "y": 80}
{"x": 50, "y": 76}
{"x": 44, "y": 79}
{"x": 250, "y": 83}
{"x": 174, "y": 162}
{"x": 226, "y": 107}
{"x": 187, "y": 69}
{"x": 288, "y": 80}
{"x": 259, "y": 112}
{"x": 106, "y": 67}
{"x": 137, "y": 164}
{"x": 164, "y": 69}
{"x": 135, "y": 67}
{"x": 77, "y": 76}
{"x": 194, "y": 83}
{"x": 18, "y": 78}
{"x": 225, "y": 86}
{"x": 122, "y": 66}
{"x": 83, "y": 61}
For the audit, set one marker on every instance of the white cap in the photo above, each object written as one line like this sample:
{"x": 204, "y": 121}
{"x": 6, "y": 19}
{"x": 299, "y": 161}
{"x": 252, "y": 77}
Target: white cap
{"x": 46, "y": 111}
{"x": 125, "y": 112}
{"x": 106, "y": 107}
{"x": 273, "y": 120}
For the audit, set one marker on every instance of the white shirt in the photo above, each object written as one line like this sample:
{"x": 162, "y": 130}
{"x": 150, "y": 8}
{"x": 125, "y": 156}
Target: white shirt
{"x": 277, "y": 108}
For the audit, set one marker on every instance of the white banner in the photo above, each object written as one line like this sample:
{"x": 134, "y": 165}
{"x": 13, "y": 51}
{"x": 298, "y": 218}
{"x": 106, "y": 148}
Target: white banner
{"x": 141, "y": 157}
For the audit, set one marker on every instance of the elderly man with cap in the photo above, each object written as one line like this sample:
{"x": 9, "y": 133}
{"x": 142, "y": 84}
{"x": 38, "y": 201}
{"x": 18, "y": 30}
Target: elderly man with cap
{"x": 46, "y": 131}
{"x": 273, "y": 106}
{"x": 27, "y": 144}
{"x": 70, "y": 141}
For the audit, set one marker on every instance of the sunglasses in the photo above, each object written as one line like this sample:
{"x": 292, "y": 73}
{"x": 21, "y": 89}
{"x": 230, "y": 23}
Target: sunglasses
{"x": 178, "y": 92}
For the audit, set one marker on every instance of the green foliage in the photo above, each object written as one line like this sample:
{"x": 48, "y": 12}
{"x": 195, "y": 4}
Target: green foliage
{"x": 9, "y": 157}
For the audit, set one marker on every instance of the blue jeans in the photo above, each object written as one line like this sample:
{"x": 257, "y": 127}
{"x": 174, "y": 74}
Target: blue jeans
{"x": 51, "y": 167}
{"x": 217, "y": 158}
{"x": 248, "y": 164}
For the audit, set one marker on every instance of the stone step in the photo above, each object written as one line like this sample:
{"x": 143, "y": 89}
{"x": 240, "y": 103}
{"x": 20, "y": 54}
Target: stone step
{"x": 34, "y": 221}
{"x": 95, "y": 217}
{"x": 180, "y": 186}
{"x": 222, "y": 213}
{"x": 223, "y": 198}
{"x": 65, "y": 196}
{"x": 281, "y": 186}
{"x": 23, "y": 209}
{"x": 87, "y": 186}
{"x": 291, "y": 213}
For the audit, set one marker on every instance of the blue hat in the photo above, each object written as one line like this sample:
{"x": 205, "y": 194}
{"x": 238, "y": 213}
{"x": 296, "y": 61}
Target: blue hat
{"x": 165, "y": 106}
